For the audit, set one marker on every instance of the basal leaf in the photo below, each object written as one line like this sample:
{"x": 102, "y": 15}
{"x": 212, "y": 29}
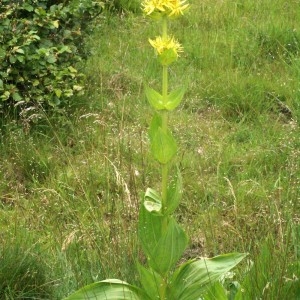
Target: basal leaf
{"x": 193, "y": 278}
{"x": 110, "y": 289}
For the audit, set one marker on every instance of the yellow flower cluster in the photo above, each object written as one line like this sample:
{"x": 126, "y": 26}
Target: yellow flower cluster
{"x": 161, "y": 44}
{"x": 167, "y": 7}
{"x": 167, "y": 49}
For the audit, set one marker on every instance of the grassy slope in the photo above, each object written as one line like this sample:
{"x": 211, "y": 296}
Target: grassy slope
{"x": 75, "y": 190}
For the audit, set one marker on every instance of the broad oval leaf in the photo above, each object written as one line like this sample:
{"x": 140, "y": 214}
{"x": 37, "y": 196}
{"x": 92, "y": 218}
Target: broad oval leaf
{"x": 51, "y": 59}
{"x": 174, "y": 98}
{"x": 156, "y": 122}
{"x": 110, "y": 289}
{"x": 27, "y": 7}
{"x": 163, "y": 146}
{"x": 169, "y": 248}
{"x": 192, "y": 279}
{"x": 154, "y": 98}
{"x": 149, "y": 230}
{"x": 152, "y": 201}
{"x": 16, "y": 96}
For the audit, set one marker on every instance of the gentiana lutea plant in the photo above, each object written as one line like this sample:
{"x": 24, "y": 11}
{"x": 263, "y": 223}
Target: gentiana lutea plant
{"x": 162, "y": 239}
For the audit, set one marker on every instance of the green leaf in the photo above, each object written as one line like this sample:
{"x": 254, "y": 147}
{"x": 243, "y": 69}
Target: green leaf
{"x": 27, "y": 7}
{"x": 72, "y": 70}
{"x": 68, "y": 93}
{"x": 156, "y": 122}
{"x": 174, "y": 98}
{"x": 16, "y": 96}
{"x": 174, "y": 194}
{"x": 12, "y": 59}
{"x": 110, "y": 289}
{"x": 58, "y": 92}
{"x": 193, "y": 278}
{"x": 2, "y": 53}
{"x": 150, "y": 280}
{"x": 154, "y": 98}
{"x": 163, "y": 146}
{"x": 36, "y": 82}
{"x": 152, "y": 201}
{"x": 77, "y": 88}
{"x": 20, "y": 58}
{"x": 40, "y": 11}
{"x": 54, "y": 101}
{"x": 55, "y": 23}
{"x": 217, "y": 291}
{"x": 1, "y": 84}
{"x": 51, "y": 59}
{"x": 5, "y": 95}
{"x": 149, "y": 230}
{"x": 64, "y": 49}
{"x": 163, "y": 248}
{"x": 169, "y": 248}
{"x": 36, "y": 37}
{"x": 19, "y": 50}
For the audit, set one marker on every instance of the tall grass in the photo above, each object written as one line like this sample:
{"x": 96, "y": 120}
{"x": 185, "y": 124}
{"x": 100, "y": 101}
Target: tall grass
{"x": 74, "y": 181}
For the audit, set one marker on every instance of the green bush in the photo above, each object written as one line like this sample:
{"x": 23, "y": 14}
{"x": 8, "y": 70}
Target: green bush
{"x": 41, "y": 41}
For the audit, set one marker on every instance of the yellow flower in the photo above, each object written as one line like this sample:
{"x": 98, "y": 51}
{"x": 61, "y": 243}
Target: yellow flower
{"x": 167, "y": 7}
{"x": 167, "y": 49}
{"x": 161, "y": 44}
{"x": 178, "y": 7}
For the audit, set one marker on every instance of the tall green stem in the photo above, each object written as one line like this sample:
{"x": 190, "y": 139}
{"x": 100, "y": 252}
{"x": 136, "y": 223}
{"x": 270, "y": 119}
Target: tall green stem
{"x": 165, "y": 167}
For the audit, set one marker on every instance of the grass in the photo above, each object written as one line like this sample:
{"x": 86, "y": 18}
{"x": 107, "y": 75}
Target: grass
{"x": 74, "y": 180}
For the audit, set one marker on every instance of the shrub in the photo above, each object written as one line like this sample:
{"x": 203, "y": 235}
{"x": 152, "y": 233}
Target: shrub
{"x": 40, "y": 45}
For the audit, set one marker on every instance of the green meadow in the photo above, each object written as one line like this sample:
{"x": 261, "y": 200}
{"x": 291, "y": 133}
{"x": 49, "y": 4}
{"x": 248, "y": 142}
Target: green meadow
{"x": 71, "y": 183}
